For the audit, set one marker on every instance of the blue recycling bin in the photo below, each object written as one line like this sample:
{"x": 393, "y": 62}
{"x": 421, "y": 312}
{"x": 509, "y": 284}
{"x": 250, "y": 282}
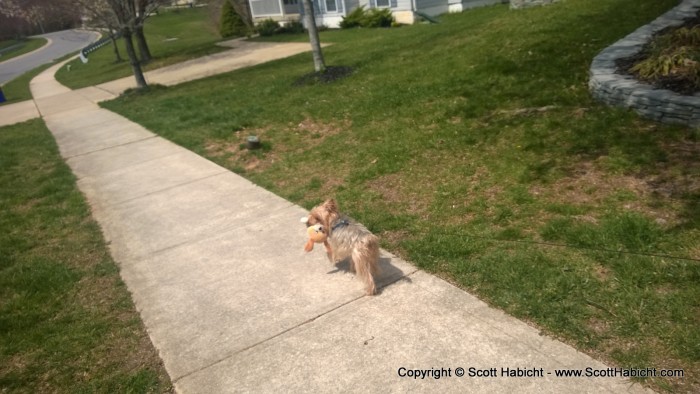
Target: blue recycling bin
{"x": 2, "y": 96}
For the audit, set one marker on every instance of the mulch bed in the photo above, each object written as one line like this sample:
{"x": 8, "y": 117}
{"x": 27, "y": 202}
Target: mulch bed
{"x": 674, "y": 83}
{"x": 331, "y": 74}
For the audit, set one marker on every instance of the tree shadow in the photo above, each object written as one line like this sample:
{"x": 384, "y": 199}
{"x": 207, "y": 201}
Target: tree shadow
{"x": 330, "y": 74}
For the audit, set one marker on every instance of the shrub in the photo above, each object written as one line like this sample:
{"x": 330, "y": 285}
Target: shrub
{"x": 268, "y": 27}
{"x": 231, "y": 24}
{"x": 354, "y": 18}
{"x": 376, "y": 17}
{"x": 293, "y": 27}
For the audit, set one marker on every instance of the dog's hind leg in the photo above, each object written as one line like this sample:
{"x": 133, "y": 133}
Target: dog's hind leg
{"x": 365, "y": 259}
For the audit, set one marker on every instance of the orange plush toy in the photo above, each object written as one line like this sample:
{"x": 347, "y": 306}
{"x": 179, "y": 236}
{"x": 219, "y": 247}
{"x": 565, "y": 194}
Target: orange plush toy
{"x": 316, "y": 235}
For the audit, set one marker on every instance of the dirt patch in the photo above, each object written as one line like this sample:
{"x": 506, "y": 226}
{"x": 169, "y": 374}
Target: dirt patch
{"x": 655, "y": 195}
{"x": 319, "y": 130}
{"x": 679, "y": 175}
{"x": 294, "y": 138}
{"x": 589, "y": 185}
{"x": 602, "y": 273}
{"x": 396, "y": 192}
{"x": 598, "y": 326}
{"x": 390, "y": 187}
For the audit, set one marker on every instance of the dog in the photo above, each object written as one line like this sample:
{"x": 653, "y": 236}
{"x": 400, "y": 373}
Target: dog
{"x": 347, "y": 238}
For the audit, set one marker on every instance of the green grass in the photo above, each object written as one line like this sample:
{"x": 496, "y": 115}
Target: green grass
{"x": 173, "y": 37}
{"x": 17, "y": 89}
{"x": 67, "y": 322}
{"x": 19, "y": 47}
{"x": 474, "y": 149}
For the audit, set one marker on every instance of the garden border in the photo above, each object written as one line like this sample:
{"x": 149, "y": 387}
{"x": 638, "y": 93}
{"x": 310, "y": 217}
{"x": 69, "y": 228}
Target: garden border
{"x": 619, "y": 90}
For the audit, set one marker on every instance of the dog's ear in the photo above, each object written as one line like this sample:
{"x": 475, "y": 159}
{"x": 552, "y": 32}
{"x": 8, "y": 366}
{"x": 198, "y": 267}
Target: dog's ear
{"x": 330, "y": 205}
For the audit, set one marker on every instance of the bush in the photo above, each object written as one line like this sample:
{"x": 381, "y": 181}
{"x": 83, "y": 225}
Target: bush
{"x": 293, "y": 27}
{"x": 268, "y": 27}
{"x": 231, "y": 24}
{"x": 353, "y": 19}
{"x": 376, "y": 17}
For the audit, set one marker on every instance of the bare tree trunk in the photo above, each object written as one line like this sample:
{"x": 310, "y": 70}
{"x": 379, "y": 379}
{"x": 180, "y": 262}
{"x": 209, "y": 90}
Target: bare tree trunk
{"x": 310, "y": 19}
{"x": 117, "y": 55}
{"x": 135, "y": 65}
{"x": 144, "y": 51}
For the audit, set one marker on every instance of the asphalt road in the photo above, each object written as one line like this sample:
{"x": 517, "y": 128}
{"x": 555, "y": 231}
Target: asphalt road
{"x": 60, "y": 43}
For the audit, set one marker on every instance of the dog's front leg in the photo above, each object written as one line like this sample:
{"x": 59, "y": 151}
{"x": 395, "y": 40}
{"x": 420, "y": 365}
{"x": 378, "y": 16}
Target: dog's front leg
{"x": 329, "y": 251}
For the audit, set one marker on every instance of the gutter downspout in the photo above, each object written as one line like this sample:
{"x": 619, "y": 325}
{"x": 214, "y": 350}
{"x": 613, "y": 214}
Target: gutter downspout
{"x": 282, "y": 14}
{"x": 413, "y": 10}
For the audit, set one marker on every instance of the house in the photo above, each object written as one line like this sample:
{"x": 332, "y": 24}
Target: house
{"x": 330, "y": 12}
{"x": 183, "y": 3}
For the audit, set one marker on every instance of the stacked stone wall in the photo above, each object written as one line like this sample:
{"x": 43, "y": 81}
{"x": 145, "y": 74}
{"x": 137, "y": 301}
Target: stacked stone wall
{"x": 615, "y": 89}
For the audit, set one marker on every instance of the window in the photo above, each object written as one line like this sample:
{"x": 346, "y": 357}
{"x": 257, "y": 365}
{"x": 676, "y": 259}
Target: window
{"x": 382, "y": 3}
{"x": 291, "y": 2}
{"x": 331, "y": 6}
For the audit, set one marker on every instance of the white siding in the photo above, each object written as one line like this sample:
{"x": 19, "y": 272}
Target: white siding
{"x": 402, "y": 5}
{"x": 437, "y": 7}
{"x": 351, "y": 5}
{"x": 265, "y": 7}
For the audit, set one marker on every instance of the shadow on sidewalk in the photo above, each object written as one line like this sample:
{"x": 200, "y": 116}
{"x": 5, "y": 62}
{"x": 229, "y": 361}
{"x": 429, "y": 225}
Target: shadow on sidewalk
{"x": 388, "y": 273}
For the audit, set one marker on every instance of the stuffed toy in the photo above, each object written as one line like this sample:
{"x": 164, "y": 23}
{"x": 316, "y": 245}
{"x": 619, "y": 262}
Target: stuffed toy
{"x": 315, "y": 236}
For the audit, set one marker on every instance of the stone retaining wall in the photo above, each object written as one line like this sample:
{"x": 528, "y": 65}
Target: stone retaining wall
{"x": 625, "y": 91}
{"x": 516, "y": 4}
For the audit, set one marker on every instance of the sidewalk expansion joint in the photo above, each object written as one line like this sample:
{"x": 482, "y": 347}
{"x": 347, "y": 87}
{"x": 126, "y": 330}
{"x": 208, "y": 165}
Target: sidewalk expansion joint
{"x": 300, "y": 325}
{"x": 111, "y": 93}
{"x": 109, "y": 147}
{"x": 203, "y": 237}
{"x": 165, "y": 189}
{"x": 237, "y": 352}
{"x": 126, "y": 166}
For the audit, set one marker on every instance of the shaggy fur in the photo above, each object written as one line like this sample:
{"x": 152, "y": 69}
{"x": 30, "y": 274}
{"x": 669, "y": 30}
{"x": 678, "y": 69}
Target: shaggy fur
{"x": 347, "y": 238}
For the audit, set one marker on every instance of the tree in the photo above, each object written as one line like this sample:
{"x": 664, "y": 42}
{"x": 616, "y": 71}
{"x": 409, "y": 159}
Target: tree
{"x": 242, "y": 8}
{"x": 125, "y": 12}
{"x": 310, "y": 20}
{"x": 38, "y": 16}
{"x": 143, "y": 11}
{"x": 131, "y": 15}
{"x": 231, "y": 24}
{"x": 99, "y": 13}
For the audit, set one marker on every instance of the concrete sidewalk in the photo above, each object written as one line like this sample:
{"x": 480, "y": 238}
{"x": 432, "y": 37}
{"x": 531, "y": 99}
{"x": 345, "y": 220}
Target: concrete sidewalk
{"x": 217, "y": 270}
{"x": 242, "y": 54}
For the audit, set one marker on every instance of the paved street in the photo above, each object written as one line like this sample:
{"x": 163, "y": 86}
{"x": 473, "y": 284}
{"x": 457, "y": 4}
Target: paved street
{"x": 60, "y": 44}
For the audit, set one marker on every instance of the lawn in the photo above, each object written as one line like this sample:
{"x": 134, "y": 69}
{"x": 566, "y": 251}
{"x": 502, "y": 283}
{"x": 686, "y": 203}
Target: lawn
{"x": 17, "y": 89}
{"x": 13, "y": 48}
{"x": 474, "y": 150}
{"x": 173, "y": 36}
{"x": 67, "y": 322}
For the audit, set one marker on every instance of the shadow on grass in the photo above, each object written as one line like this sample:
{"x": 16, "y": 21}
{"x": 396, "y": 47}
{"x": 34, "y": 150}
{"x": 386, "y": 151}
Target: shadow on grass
{"x": 330, "y": 74}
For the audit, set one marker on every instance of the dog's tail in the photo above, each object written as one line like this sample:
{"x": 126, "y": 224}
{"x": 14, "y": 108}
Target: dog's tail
{"x": 365, "y": 257}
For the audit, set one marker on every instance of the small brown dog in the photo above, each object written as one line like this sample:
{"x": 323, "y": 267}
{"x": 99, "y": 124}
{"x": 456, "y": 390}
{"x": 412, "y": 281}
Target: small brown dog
{"x": 348, "y": 239}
